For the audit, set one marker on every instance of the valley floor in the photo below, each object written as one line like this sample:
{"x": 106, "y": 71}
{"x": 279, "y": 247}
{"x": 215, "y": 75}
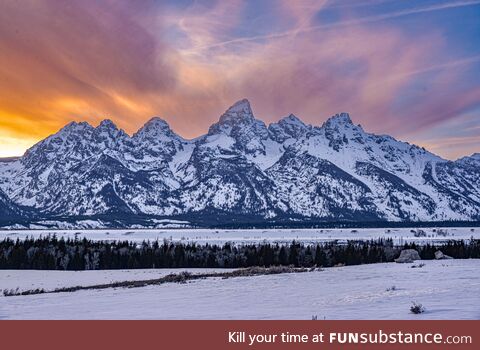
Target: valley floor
{"x": 448, "y": 289}
{"x": 256, "y": 236}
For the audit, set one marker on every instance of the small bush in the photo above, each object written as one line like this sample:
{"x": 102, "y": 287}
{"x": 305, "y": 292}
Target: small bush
{"x": 419, "y": 266}
{"x": 15, "y": 292}
{"x": 10, "y": 292}
{"x": 417, "y": 308}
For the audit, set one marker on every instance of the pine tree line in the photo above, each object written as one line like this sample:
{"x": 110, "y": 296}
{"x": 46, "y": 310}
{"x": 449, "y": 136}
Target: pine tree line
{"x": 51, "y": 253}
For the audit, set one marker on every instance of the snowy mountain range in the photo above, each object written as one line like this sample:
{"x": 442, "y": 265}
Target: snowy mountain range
{"x": 242, "y": 171}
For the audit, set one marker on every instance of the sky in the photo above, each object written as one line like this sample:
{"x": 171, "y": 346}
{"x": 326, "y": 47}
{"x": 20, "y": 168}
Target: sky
{"x": 410, "y": 69}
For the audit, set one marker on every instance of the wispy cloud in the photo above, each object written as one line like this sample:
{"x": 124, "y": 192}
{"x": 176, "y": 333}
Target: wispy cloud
{"x": 431, "y": 68}
{"x": 346, "y": 23}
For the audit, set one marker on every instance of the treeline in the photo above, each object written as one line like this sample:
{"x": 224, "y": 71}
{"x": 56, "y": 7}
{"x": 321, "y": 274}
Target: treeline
{"x": 51, "y": 253}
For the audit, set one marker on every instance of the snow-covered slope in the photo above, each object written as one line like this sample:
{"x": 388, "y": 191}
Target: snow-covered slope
{"x": 8, "y": 209}
{"x": 241, "y": 169}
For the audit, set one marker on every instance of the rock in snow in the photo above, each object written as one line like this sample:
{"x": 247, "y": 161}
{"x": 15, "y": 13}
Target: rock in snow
{"x": 440, "y": 256}
{"x": 408, "y": 256}
{"x": 241, "y": 170}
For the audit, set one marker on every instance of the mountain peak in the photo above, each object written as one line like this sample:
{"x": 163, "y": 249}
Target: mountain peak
{"x": 239, "y": 110}
{"x": 238, "y": 115}
{"x": 288, "y": 127}
{"x": 291, "y": 119}
{"x": 76, "y": 126}
{"x": 156, "y": 127}
{"x": 156, "y": 122}
{"x": 340, "y": 118}
{"x": 340, "y": 121}
{"x": 242, "y": 105}
{"x": 107, "y": 124}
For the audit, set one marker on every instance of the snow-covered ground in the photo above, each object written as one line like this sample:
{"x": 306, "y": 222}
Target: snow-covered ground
{"x": 201, "y": 236}
{"x": 448, "y": 289}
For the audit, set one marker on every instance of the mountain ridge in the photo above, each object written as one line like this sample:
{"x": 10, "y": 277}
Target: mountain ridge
{"x": 287, "y": 170}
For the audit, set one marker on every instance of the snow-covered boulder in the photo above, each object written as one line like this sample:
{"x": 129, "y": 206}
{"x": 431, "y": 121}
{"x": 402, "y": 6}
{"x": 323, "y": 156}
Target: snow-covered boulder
{"x": 440, "y": 256}
{"x": 408, "y": 256}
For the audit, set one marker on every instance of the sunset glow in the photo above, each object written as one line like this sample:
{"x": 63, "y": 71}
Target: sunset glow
{"x": 410, "y": 69}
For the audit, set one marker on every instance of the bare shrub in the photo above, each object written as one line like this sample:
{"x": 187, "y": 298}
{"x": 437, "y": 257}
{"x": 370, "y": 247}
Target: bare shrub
{"x": 419, "y": 266}
{"x": 417, "y": 308}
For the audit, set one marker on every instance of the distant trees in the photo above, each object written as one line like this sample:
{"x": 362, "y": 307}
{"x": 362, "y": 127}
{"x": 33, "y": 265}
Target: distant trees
{"x": 51, "y": 253}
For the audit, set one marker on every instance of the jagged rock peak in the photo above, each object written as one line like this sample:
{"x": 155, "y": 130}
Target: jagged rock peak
{"x": 291, "y": 119}
{"x": 288, "y": 127}
{"x": 111, "y": 130}
{"x": 76, "y": 126}
{"x": 239, "y": 106}
{"x": 156, "y": 128}
{"x": 339, "y": 119}
{"x": 240, "y": 110}
{"x": 156, "y": 123}
{"x": 107, "y": 124}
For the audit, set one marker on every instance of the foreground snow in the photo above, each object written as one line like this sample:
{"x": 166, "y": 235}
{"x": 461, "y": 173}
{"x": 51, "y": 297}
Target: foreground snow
{"x": 202, "y": 236}
{"x": 448, "y": 290}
